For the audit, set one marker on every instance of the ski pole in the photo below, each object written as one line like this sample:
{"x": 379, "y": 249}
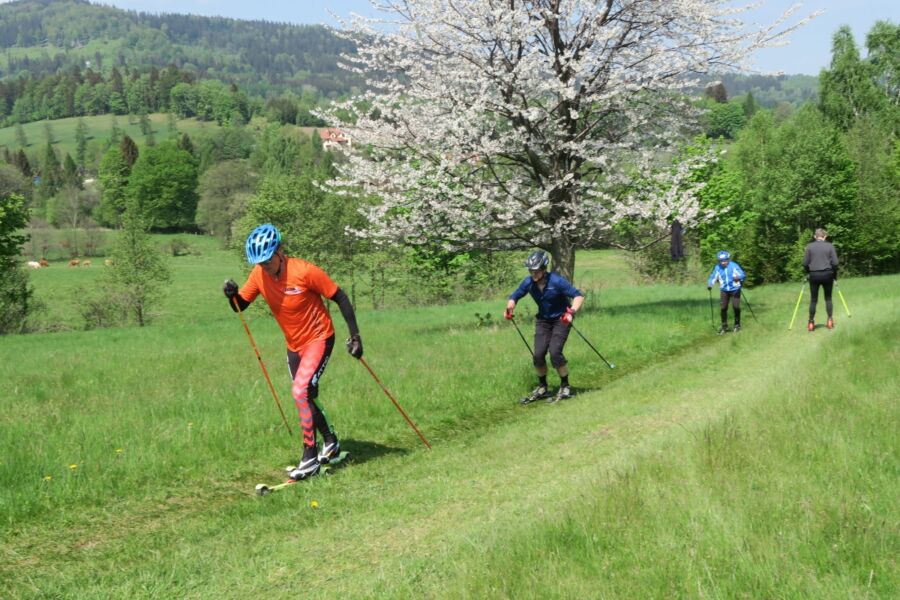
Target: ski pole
{"x": 609, "y": 364}
{"x": 523, "y": 337}
{"x": 796, "y": 307}
{"x": 747, "y": 300}
{"x": 396, "y": 404}
{"x": 261, "y": 364}
{"x": 712, "y": 319}
{"x": 844, "y": 302}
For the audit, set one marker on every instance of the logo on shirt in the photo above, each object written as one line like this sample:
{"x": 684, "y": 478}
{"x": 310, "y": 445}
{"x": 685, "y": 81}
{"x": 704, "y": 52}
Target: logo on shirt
{"x": 293, "y": 291}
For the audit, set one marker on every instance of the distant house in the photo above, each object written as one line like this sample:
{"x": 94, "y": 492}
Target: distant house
{"x": 333, "y": 138}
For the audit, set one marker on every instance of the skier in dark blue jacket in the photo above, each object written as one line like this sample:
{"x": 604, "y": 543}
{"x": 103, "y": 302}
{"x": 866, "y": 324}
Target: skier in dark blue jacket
{"x": 731, "y": 277}
{"x": 551, "y": 292}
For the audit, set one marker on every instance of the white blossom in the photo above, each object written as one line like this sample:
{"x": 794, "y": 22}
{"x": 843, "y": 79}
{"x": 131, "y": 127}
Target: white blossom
{"x": 539, "y": 122}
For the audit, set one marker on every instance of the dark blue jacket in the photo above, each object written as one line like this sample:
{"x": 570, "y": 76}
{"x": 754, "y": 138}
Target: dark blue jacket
{"x": 554, "y": 300}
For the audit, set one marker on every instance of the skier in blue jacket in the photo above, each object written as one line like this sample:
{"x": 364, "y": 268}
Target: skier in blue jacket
{"x": 730, "y": 276}
{"x": 551, "y": 292}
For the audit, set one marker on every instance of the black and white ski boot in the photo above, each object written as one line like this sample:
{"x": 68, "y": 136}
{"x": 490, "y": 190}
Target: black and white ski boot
{"x": 539, "y": 393}
{"x": 331, "y": 449}
{"x": 307, "y": 468}
{"x": 564, "y": 393}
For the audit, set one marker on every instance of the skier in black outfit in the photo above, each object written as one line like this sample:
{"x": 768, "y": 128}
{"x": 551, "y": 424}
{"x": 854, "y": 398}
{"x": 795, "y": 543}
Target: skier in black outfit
{"x": 821, "y": 262}
{"x": 552, "y": 293}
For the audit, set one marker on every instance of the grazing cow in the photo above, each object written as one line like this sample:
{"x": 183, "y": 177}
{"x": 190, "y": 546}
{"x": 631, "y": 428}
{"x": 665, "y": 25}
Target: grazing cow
{"x": 44, "y": 263}
{"x": 33, "y": 264}
{"x": 86, "y": 263}
{"x": 74, "y": 262}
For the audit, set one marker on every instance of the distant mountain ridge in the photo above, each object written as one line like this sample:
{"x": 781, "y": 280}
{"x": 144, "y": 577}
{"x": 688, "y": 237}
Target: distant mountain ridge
{"x": 264, "y": 58}
{"x": 41, "y": 37}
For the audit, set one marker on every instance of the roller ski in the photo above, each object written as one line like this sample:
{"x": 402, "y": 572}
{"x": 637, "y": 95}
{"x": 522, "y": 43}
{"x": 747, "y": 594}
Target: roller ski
{"x": 297, "y": 474}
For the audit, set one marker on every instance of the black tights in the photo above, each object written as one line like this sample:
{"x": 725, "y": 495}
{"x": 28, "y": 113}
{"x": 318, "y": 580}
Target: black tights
{"x": 825, "y": 280}
{"x": 735, "y": 297}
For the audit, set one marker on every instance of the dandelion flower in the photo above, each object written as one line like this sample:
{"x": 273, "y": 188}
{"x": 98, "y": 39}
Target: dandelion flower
{"x": 314, "y": 504}
{"x": 73, "y": 466}
{"x": 48, "y": 477}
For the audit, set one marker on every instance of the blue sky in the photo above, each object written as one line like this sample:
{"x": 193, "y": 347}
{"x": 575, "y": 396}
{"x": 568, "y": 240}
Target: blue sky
{"x": 808, "y": 52}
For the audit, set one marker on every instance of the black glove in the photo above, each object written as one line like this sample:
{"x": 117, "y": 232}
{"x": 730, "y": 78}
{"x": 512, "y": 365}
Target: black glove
{"x": 708, "y": 288}
{"x": 230, "y": 288}
{"x": 354, "y": 346}
{"x": 834, "y": 272}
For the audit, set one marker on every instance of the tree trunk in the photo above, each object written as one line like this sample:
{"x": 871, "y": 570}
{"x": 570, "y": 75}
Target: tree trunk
{"x": 563, "y": 251}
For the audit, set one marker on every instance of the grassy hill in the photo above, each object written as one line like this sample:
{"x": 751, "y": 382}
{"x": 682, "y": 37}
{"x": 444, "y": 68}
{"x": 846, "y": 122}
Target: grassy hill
{"x": 100, "y": 128}
{"x": 763, "y": 464}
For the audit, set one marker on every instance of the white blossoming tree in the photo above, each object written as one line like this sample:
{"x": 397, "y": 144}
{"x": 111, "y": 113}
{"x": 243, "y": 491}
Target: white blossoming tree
{"x": 512, "y": 123}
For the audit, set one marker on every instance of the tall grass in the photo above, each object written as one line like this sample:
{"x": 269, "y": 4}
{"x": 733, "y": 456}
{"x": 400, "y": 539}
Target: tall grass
{"x": 762, "y": 464}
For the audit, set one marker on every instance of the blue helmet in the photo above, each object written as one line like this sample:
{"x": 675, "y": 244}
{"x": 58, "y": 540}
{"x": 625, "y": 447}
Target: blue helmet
{"x": 537, "y": 260}
{"x": 723, "y": 255}
{"x": 262, "y": 243}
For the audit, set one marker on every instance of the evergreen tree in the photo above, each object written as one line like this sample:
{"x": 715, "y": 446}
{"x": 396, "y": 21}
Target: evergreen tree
{"x": 185, "y": 143}
{"x": 20, "y": 160}
{"x": 144, "y": 122}
{"x": 21, "y": 138}
{"x": 115, "y": 133}
{"x": 750, "y": 106}
{"x": 113, "y": 178}
{"x": 129, "y": 151}
{"x": 70, "y": 173}
{"x": 81, "y": 140}
{"x": 51, "y": 172}
{"x": 172, "y": 124}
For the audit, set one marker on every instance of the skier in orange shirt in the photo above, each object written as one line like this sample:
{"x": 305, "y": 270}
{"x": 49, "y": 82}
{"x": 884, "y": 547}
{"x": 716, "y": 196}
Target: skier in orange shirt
{"x": 293, "y": 288}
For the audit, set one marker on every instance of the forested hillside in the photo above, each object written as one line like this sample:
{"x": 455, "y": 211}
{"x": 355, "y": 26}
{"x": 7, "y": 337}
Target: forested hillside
{"x": 770, "y": 90}
{"x": 41, "y": 37}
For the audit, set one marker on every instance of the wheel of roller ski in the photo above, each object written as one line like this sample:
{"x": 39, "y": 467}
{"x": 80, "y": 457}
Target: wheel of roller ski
{"x": 262, "y": 489}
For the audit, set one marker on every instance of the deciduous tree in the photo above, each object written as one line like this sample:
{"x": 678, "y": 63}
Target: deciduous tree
{"x": 492, "y": 122}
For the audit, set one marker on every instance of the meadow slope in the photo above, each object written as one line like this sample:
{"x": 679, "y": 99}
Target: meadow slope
{"x": 763, "y": 464}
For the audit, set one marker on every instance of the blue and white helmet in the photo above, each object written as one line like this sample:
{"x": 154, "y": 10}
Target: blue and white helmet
{"x": 262, "y": 243}
{"x": 723, "y": 255}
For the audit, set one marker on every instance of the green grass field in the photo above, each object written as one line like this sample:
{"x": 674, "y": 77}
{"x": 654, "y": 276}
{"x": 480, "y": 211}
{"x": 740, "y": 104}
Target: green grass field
{"x": 757, "y": 465}
{"x": 99, "y": 129}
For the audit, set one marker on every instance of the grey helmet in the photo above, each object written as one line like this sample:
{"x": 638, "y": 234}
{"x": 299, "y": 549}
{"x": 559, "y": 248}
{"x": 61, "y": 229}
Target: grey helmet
{"x": 537, "y": 260}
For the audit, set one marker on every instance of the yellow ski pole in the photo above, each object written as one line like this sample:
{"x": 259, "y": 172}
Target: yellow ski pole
{"x": 844, "y": 302}
{"x": 797, "y": 306}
